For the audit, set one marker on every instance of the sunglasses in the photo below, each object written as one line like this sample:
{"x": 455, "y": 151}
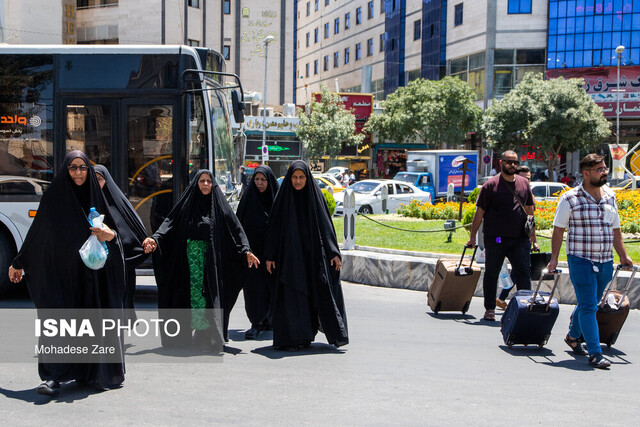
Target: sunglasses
{"x": 82, "y": 168}
{"x": 511, "y": 162}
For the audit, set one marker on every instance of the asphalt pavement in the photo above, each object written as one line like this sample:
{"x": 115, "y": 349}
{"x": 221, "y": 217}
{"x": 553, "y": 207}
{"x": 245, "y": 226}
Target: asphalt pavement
{"x": 403, "y": 366}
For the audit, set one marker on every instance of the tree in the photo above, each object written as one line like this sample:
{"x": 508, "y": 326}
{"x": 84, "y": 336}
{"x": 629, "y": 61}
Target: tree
{"x": 327, "y": 127}
{"x": 438, "y": 112}
{"x": 549, "y": 115}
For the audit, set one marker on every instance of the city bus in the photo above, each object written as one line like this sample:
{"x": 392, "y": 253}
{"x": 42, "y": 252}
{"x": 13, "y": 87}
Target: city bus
{"x": 151, "y": 114}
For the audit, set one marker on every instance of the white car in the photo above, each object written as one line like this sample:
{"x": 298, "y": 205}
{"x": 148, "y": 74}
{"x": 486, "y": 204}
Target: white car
{"x": 368, "y": 195}
{"x": 336, "y": 172}
{"x": 547, "y": 190}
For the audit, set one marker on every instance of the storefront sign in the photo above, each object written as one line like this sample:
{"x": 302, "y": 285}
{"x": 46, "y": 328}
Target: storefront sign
{"x": 275, "y": 149}
{"x": 360, "y": 104}
{"x": 601, "y": 84}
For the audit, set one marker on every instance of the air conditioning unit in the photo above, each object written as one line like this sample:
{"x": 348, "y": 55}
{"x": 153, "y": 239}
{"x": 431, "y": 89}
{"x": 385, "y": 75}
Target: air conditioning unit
{"x": 269, "y": 111}
{"x": 289, "y": 110}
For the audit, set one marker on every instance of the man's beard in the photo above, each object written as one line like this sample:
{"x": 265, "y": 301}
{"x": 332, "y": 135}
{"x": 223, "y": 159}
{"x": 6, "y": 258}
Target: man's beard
{"x": 508, "y": 171}
{"x": 600, "y": 182}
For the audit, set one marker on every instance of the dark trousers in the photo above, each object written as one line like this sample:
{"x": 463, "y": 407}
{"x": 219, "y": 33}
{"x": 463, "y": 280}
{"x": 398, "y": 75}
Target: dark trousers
{"x": 518, "y": 252}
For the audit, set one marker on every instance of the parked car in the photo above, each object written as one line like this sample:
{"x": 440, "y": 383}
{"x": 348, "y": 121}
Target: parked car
{"x": 369, "y": 191}
{"x": 329, "y": 182}
{"x": 336, "y": 172}
{"x": 547, "y": 190}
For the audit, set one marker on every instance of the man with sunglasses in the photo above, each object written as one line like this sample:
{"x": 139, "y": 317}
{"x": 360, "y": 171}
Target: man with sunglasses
{"x": 590, "y": 213}
{"x": 504, "y": 234}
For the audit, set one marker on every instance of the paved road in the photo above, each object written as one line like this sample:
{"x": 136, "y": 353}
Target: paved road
{"x": 404, "y": 366}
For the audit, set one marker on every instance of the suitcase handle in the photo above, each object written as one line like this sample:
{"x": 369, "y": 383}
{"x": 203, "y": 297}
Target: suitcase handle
{"x": 609, "y": 288}
{"x": 473, "y": 256}
{"x": 556, "y": 273}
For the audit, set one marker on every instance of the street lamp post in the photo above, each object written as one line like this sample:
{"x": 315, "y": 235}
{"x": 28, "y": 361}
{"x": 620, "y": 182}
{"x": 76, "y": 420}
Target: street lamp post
{"x": 619, "y": 51}
{"x": 265, "y": 150}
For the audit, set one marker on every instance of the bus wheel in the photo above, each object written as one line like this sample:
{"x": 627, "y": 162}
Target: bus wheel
{"x": 6, "y": 257}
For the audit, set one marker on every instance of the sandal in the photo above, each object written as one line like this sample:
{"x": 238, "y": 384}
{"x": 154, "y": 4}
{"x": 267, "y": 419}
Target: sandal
{"x": 501, "y": 304}
{"x": 575, "y": 345}
{"x": 490, "y": 315}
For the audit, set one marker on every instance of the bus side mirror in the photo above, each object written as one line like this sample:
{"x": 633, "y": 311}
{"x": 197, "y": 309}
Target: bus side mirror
{"x": 238, "y": 106}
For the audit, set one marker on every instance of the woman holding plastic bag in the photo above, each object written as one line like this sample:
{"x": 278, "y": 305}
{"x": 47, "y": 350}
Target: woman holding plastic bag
{"x": 55, "y": 274}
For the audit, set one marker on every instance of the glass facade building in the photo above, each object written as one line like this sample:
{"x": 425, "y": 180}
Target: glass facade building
{"x": 585, "y": 33}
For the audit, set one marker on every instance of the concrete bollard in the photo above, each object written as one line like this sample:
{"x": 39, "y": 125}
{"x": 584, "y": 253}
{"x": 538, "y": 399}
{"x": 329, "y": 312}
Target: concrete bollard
{"x": 349, "y": 220}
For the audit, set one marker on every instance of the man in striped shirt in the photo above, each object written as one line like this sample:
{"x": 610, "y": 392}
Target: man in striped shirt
{"x": 590, "y": 213}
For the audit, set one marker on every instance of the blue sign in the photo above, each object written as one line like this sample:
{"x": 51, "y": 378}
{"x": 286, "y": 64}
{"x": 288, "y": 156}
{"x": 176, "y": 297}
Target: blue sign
{"x": 450, "y": 170}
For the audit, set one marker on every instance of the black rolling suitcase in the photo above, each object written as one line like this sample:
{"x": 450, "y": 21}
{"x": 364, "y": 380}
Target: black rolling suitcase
{"x": 530, "y": 315}
{"x": 613, "y": 309}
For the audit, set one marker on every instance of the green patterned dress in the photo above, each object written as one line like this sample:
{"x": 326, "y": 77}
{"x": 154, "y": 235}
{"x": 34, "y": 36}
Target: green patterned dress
{"x": 196, "y": 253}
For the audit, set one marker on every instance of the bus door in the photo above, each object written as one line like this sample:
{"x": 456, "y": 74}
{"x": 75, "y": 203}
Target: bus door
{"x": 148, "y": 134}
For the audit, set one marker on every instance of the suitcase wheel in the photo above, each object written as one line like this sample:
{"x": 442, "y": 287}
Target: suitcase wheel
{"x": 437, "y": 308}
{"x": 540, "y": 345}
{"x": 466, "y": 307}
{"x": 510, "y": 345}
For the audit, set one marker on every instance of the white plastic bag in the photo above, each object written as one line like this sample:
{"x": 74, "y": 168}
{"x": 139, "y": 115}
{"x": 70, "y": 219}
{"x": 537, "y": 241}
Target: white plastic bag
{"x": 93, "y": 253}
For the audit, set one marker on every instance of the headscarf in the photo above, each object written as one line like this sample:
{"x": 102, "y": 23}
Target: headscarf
{"x": 129, "y": 224}
{"x": 254, "y": 207}
{"x": 227, "y": 244}
{"x": 301, "y": 240}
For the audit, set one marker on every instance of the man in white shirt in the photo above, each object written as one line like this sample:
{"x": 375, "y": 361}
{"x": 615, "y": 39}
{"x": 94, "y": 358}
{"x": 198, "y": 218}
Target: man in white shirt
{"x": 590, "y": 213}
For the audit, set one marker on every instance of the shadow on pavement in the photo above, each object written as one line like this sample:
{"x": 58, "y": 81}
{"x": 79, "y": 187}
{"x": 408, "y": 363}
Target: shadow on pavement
{"x": 315, "y": 348}
{"x": 238, "y": 335}
{"x": 69, "y": 393}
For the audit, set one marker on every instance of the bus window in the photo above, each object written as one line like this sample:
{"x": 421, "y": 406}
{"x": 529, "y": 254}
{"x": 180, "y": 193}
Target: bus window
{"x": 89, "y": 130}
{"x": 197, "y": 142}
{"x": 150, "y": 150}
{"x": 222, "y": 141}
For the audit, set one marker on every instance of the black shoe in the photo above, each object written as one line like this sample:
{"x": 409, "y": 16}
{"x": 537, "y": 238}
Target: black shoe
{"x": 598, "y": 361}
{"x": 252, "y": 333}
{"x": 575, "y": 345}
{"x": 48, "y": 388}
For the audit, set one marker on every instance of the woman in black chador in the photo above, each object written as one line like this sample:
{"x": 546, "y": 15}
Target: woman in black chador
{"x": 131, "y": 231}
{"x": 302, "y": 253}
{"x": 200, "y": 245}
{"x": 253, "y": 213}
{"x": 55, "y": 274}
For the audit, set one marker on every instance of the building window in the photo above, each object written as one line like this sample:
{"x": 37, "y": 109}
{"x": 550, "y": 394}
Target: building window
{"x": 381, "y": 6}
{"x": 226, "y": 52}
{"x": 306, "y": 74}
{"x": 358, "y": 16}
{"x": 315, "y": 67}
{"x": 227, "y": 7}
{"x": 370, "y": 10}
{"x": 308, "y": 39}
{"x": 308, "y": 8}
{"x": 315, "y": 35}
{"x": 326, "y": 30}
{"x": 358, "y": 51}
{"x": 416, "y": 30}
{"x": 346, "y": 55}
{"x": 370, "y": 47}
{"x": 325, "y": 65}
{"x": 457, "y": 19}
{"x": 336, "y": 26}
{"x": 382, "y": 42}
{"x": 326, "y": 2}
{"x": 194, "y": 3}
{"x": 519, "y": 6}
{"x": 336, "y": 59}
{"x": 317, "y": 5}
{"x": 347, "y": 20}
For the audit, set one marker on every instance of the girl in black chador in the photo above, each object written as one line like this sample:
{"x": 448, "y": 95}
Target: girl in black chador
{"x": 253, "y": 213}
{"x": 55, "y": 274}
{"x": 131, "y": 231}
{"x": 302, "y": 254}
{"x": 200, "y": 245}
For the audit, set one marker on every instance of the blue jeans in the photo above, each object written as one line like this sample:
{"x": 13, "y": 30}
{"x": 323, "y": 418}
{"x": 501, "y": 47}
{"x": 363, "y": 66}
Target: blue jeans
{"x": 589, "y": 286}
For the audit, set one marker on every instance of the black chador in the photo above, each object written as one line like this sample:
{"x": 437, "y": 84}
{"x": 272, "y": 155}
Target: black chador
{"x": 253, "y": 213}
{"x": 302, "y": 242}
{"x": 55, "y": 274}
{"x": 131, "y": 231}
{"x": 209, "y": 221}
